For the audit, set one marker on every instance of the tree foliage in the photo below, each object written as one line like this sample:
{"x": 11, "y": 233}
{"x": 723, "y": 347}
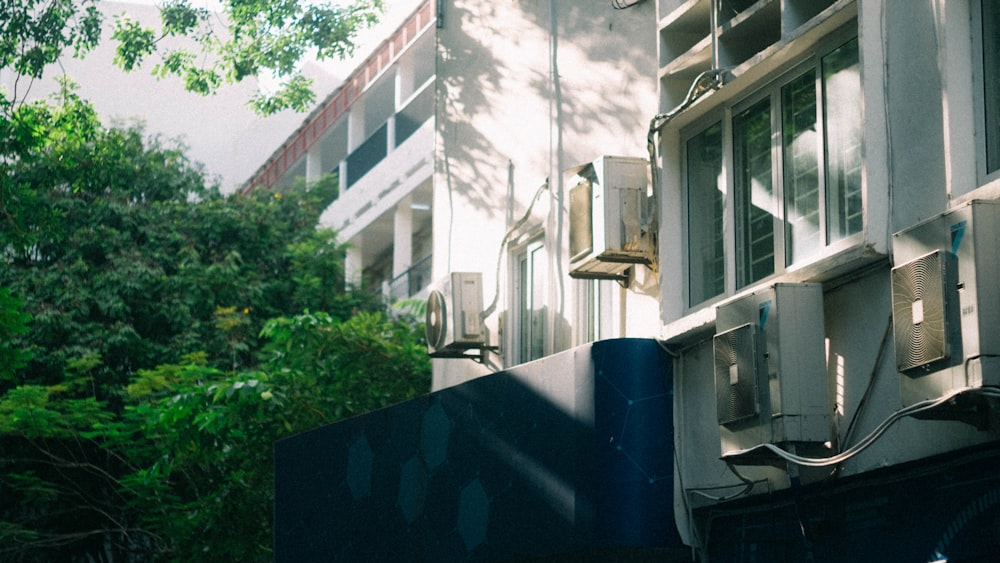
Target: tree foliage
{"x": 13, "y": 324}
{"x": 35, "y": 33}
{"x": 119, "y": 250}
{"x": 157, "y": 337}
{"x": 247, "y": 38}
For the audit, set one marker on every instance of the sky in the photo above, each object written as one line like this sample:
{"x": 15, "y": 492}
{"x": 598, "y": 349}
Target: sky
{"x": 219, "y": 131}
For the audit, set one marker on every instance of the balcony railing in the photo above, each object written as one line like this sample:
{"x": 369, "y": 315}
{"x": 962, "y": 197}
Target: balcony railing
{"x": 412, "y": 281}
{"x": 411, "y": 117}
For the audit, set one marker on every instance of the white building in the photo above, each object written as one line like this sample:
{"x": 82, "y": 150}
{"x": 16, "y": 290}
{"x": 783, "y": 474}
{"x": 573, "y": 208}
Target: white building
{"x": 824, "y": 215}
{"x": 791, "y": 198}
{"x": 445, "y": 137}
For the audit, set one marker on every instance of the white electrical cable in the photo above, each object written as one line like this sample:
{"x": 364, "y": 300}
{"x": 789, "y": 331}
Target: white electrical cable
{"x": 506, "y": 238}
{"x": 708, "y": 80}
{"x": 870, "y": 438}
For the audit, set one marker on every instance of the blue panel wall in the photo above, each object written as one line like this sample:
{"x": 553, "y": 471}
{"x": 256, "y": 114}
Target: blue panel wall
{"x": 492, "y": 470}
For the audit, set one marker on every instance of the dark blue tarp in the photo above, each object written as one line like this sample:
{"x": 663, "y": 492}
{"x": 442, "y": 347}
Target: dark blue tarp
{"x": 491, "y": 470}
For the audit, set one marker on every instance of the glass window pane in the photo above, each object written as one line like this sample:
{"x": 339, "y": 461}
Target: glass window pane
{"x": 800, "y": 149}
{"x": 592, "y": 291}
{"x": 991, "y": 76}
{"x": 842, "y": 124}
{"x": 598, "y": 296}
{"x": 531, "y": 310}
{"x": 705, "y": 196}
{"x": 755, "y": 205}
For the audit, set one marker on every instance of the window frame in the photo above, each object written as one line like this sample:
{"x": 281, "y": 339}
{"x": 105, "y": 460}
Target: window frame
{"x": 771, "y": 88}
{"x": 743, "y": 271}
{"x": 523, "y": 331}
{"x": 979, "y": 83}
{"x": 700, "y": 126}
{"x": 597, "y": 304}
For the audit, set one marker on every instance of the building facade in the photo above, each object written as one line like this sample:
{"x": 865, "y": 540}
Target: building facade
{"x": 822, "y": 224}
{"x": 455, "y": 144}
{"x": 828, "y": 312}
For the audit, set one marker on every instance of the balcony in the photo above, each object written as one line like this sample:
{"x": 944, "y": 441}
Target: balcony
{"x": 384, "y": 185}
{"x": 407, "y": 121}
{"x": 412, "y": 281}
{"x": 368, "y": 155}
{"x": 415, "y": 113}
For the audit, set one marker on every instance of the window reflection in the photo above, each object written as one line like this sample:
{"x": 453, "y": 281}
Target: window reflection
{"x": 841, "y": 92}
{"x": 755, "y": 205}
{"x": 706, "y": 189}
{"x": 795, "y": 168}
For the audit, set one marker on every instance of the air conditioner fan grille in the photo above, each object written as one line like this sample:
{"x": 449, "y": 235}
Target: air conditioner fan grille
{"x": 436, "y": 320}
{"x": 736, "y": 373}
{"x": 919, "y": 311}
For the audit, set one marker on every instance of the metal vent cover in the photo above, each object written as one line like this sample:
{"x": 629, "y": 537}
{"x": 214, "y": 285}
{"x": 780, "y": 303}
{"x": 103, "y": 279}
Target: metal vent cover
{"x": 737, "y": 370}
{"x": 922, "y": 296}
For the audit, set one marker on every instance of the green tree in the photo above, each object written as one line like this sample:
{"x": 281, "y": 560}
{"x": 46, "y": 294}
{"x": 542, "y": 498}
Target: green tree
{"x": 192, "y": 449}
{"x": 209, "y": 464}
{"x": 13, "y": 323}
{"x": 157, "y": 346}
{"x": 121, "y": 251}
{"x": 248, "y": 38}
{"x": 137, "y": 401}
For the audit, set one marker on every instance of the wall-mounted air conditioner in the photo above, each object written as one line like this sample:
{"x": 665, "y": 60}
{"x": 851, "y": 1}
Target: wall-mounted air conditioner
{"x": 607, "y": 229}
{"x": 453, "y": 318}
{"x": 770, "y": 368}
{"x": 946, "y": 303}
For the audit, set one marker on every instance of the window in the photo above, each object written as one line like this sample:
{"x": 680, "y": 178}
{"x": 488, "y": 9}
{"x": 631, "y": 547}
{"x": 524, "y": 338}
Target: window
{"x": 991, "y": 82}
{"x": 842, "y": 119}
{"x": 800, "y": 155}
{"x": 706, "y": 193}
{"x": 529, "y": 315}
{"x": 755, "y": 206}
{"x": 598, "y": 300}
{"x": 795, "y": 171}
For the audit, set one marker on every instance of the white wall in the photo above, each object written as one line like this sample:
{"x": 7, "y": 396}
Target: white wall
{"x": 526, "y": 90}
{"x": 919, "y": 153}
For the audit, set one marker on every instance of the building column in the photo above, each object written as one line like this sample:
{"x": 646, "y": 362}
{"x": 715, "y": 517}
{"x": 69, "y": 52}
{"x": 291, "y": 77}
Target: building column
{"x": 342, "y": 176}
{"x": 402, "y": 238}
{"x": 354, "y": 262}
{"x": 314, "y": 164}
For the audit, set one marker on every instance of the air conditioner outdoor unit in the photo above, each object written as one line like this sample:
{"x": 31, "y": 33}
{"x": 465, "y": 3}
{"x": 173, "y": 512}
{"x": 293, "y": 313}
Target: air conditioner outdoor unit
{"x": 945, "y": 306}
{"x": 608, "y": 218}
{"x": 770, "y": 368}
{"x": 453, "y": 318}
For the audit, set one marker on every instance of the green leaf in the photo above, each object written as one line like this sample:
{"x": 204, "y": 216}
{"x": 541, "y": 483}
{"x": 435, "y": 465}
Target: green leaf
{"x": 13, "y": 323}
{"x": 180, "y": 18}
{"x": 135, "y": 42}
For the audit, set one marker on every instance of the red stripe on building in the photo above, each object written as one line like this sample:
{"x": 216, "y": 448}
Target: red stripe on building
{"x": 338, "y": 104}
